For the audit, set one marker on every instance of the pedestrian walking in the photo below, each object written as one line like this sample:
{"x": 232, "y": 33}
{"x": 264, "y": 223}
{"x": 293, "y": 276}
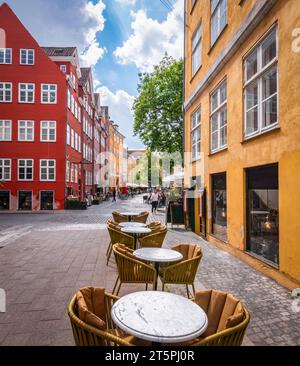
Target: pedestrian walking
{"x": 114, "y": 193}
{"x": 154, "y": 200}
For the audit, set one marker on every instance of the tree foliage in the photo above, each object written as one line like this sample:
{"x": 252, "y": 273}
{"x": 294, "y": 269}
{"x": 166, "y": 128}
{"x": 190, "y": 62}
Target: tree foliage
{"x": 158, "y": 119}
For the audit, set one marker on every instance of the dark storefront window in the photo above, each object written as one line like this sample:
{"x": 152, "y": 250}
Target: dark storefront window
{"x": 25, "y": 200}
{"x": 4, "y": 200}
{"x": 263, "y": 213}
{"x": 219, "y": 206}
{"x": 47, "y": 200}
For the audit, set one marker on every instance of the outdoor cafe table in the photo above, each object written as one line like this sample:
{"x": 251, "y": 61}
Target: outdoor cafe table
{"x": 159, "y": 317}
{"x": 157, "y": 256}
{"x": 132, "y": 224}
{"x": 129, "y": 215}
{"x": 135, "y": 231}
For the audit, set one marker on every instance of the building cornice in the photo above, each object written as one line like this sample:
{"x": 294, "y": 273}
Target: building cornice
{"x": 255, "y": 16}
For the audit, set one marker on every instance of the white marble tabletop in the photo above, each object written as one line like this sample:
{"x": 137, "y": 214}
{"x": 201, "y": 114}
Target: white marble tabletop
{"x": 158, "y": 255}
{"x": 129, "y": 213}
{"x": 160, "y": 317}
{"x": 132, "y": 224}
{"x": 136, "y": 230}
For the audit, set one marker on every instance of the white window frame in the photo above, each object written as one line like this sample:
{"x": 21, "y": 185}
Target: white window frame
{"x": 2, "y": 168}
{"x": 5, "y": 124}
{"x": 47, "y": 167}
{"x": 4, "y": 90}
{"x": 68, "y": 135}
{"x": 219, "y": 29}
{"x": 63, "y": 68}
{"x": 258, "y": 77}
{"x": 48, "y": 129}
{"x": 68, "y": 98}
{"x": 27, "y": 50}
{"x": 197, "y": 49}
{"x": 5, "y": 52}
{"x": 218, "y": 111}
{"x": 196, "y": 129}
{"x": 27, "y": 91}
{"x": 27, "y": 122}
{"x": 25, "y": 170}
{"x": 67, "y": 171}
{"x": 72, "y": 138}
{"x": 48, "y": 93}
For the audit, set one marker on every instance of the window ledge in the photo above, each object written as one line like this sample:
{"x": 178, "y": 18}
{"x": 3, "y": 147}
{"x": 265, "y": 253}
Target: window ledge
{"x": 193, "y": 7}
{"x": 218, "y": 151}
{"x": 219, "y": 239}
{"x": 216, "y": 41}
{"x": 270, "y": 130}
{"x": 195, "y": 160}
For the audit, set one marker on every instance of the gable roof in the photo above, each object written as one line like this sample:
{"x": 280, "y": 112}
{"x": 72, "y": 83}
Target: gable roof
{"x": 59, "y": 51}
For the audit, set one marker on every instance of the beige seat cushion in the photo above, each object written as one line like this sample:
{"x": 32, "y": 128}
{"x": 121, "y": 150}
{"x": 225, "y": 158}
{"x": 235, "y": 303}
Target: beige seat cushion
{"x": 188, "y": 251}
{"x": 222, "y": 309}
{"x": 91, "y": 306}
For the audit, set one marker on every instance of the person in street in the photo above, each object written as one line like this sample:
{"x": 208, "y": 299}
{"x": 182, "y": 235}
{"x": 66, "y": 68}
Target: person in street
{"x": 154, "y": 200}
{"x": 114, "y": 193}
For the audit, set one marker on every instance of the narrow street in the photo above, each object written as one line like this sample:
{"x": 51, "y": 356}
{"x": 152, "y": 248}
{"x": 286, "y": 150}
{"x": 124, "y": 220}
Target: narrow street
{"x": 46, "y": 258}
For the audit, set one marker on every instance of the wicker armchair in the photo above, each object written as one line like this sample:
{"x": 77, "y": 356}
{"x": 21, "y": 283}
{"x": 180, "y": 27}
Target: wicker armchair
{"x": 183, "y": 272}
{"x": 87, "y": 333}
{"x": 131, "y": 270}
{"x": 154, "y": 240}
{"x": 227, "y": 319}
{"x": 118, "y": 218}
{"x": 117, "y": 236}
{"x": 142, "y": 217}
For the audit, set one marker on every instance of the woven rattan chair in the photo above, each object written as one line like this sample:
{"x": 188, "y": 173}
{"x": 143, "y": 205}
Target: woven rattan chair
{"x": 131, "y": 270}
{"x": 142, "y": 217}
{"x": 154, "y": 240}
{"x": 86, "y": 333}
{"x": 118, "y": 218}
{"x": 227, "y": 319}
{"x": 183, "y": 272}
{"x": 117, "y": 236}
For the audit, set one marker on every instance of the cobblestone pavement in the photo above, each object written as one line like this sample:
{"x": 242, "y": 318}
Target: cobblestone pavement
{"x": 45, "y": 258}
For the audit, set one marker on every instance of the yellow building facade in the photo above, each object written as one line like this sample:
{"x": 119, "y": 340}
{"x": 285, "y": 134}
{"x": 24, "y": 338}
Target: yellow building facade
{"x": 116, "y": 157}
{"x": 242, "y": 125}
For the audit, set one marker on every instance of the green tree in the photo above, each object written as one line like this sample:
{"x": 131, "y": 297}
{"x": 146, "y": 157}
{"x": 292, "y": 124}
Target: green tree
{"x": 158, "y": 118}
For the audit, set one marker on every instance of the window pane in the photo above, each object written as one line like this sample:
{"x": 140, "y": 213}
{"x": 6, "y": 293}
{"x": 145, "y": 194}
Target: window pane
{"x": 223, "y": 94}
{"x": 223, "y": 117}
{"x": 270, "y": 112}
{"x": 214, "y": 101}
{"x": 252, "y": 121}
{"x": 223, "y": 136}
{"x": 251, "y": 65}
{"x": 214, "y": 4}
{"x": 269, "y": 49}
{"x": 214, "y": 140}
{"x": 251, "y": 95}
{"x": 214, "y": 27}
{"x": 214, "y": 123}
{"x": 269, "y": 83}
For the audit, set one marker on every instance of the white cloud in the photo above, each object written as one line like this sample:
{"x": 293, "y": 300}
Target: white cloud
{"x": 151, "y": 39}
{"x": 93, "y": 14}
{"x": 64, "y": 23}
{"x": 120, "y": 109}
{"x": 126, "y": 2}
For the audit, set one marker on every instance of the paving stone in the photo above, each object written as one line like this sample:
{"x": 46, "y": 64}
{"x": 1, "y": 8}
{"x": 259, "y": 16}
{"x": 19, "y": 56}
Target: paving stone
{"x": 62, "y": 252}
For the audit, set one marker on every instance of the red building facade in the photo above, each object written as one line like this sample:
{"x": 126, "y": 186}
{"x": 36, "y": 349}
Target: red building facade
{"x": 32, "y": 120}
{"x": 48, "y": 122}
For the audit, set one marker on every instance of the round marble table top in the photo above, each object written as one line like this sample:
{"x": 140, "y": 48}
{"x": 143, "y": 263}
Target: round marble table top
{"x": 158, "y": 255}
{"x": 129, "y": 213}
{"x": 160, "y": 317}
{"x": 132, "y": 224}
{"x": 135, "y": 230}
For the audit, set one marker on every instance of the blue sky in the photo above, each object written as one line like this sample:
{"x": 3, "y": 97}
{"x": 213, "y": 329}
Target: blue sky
{"x": 118, "y": 38}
